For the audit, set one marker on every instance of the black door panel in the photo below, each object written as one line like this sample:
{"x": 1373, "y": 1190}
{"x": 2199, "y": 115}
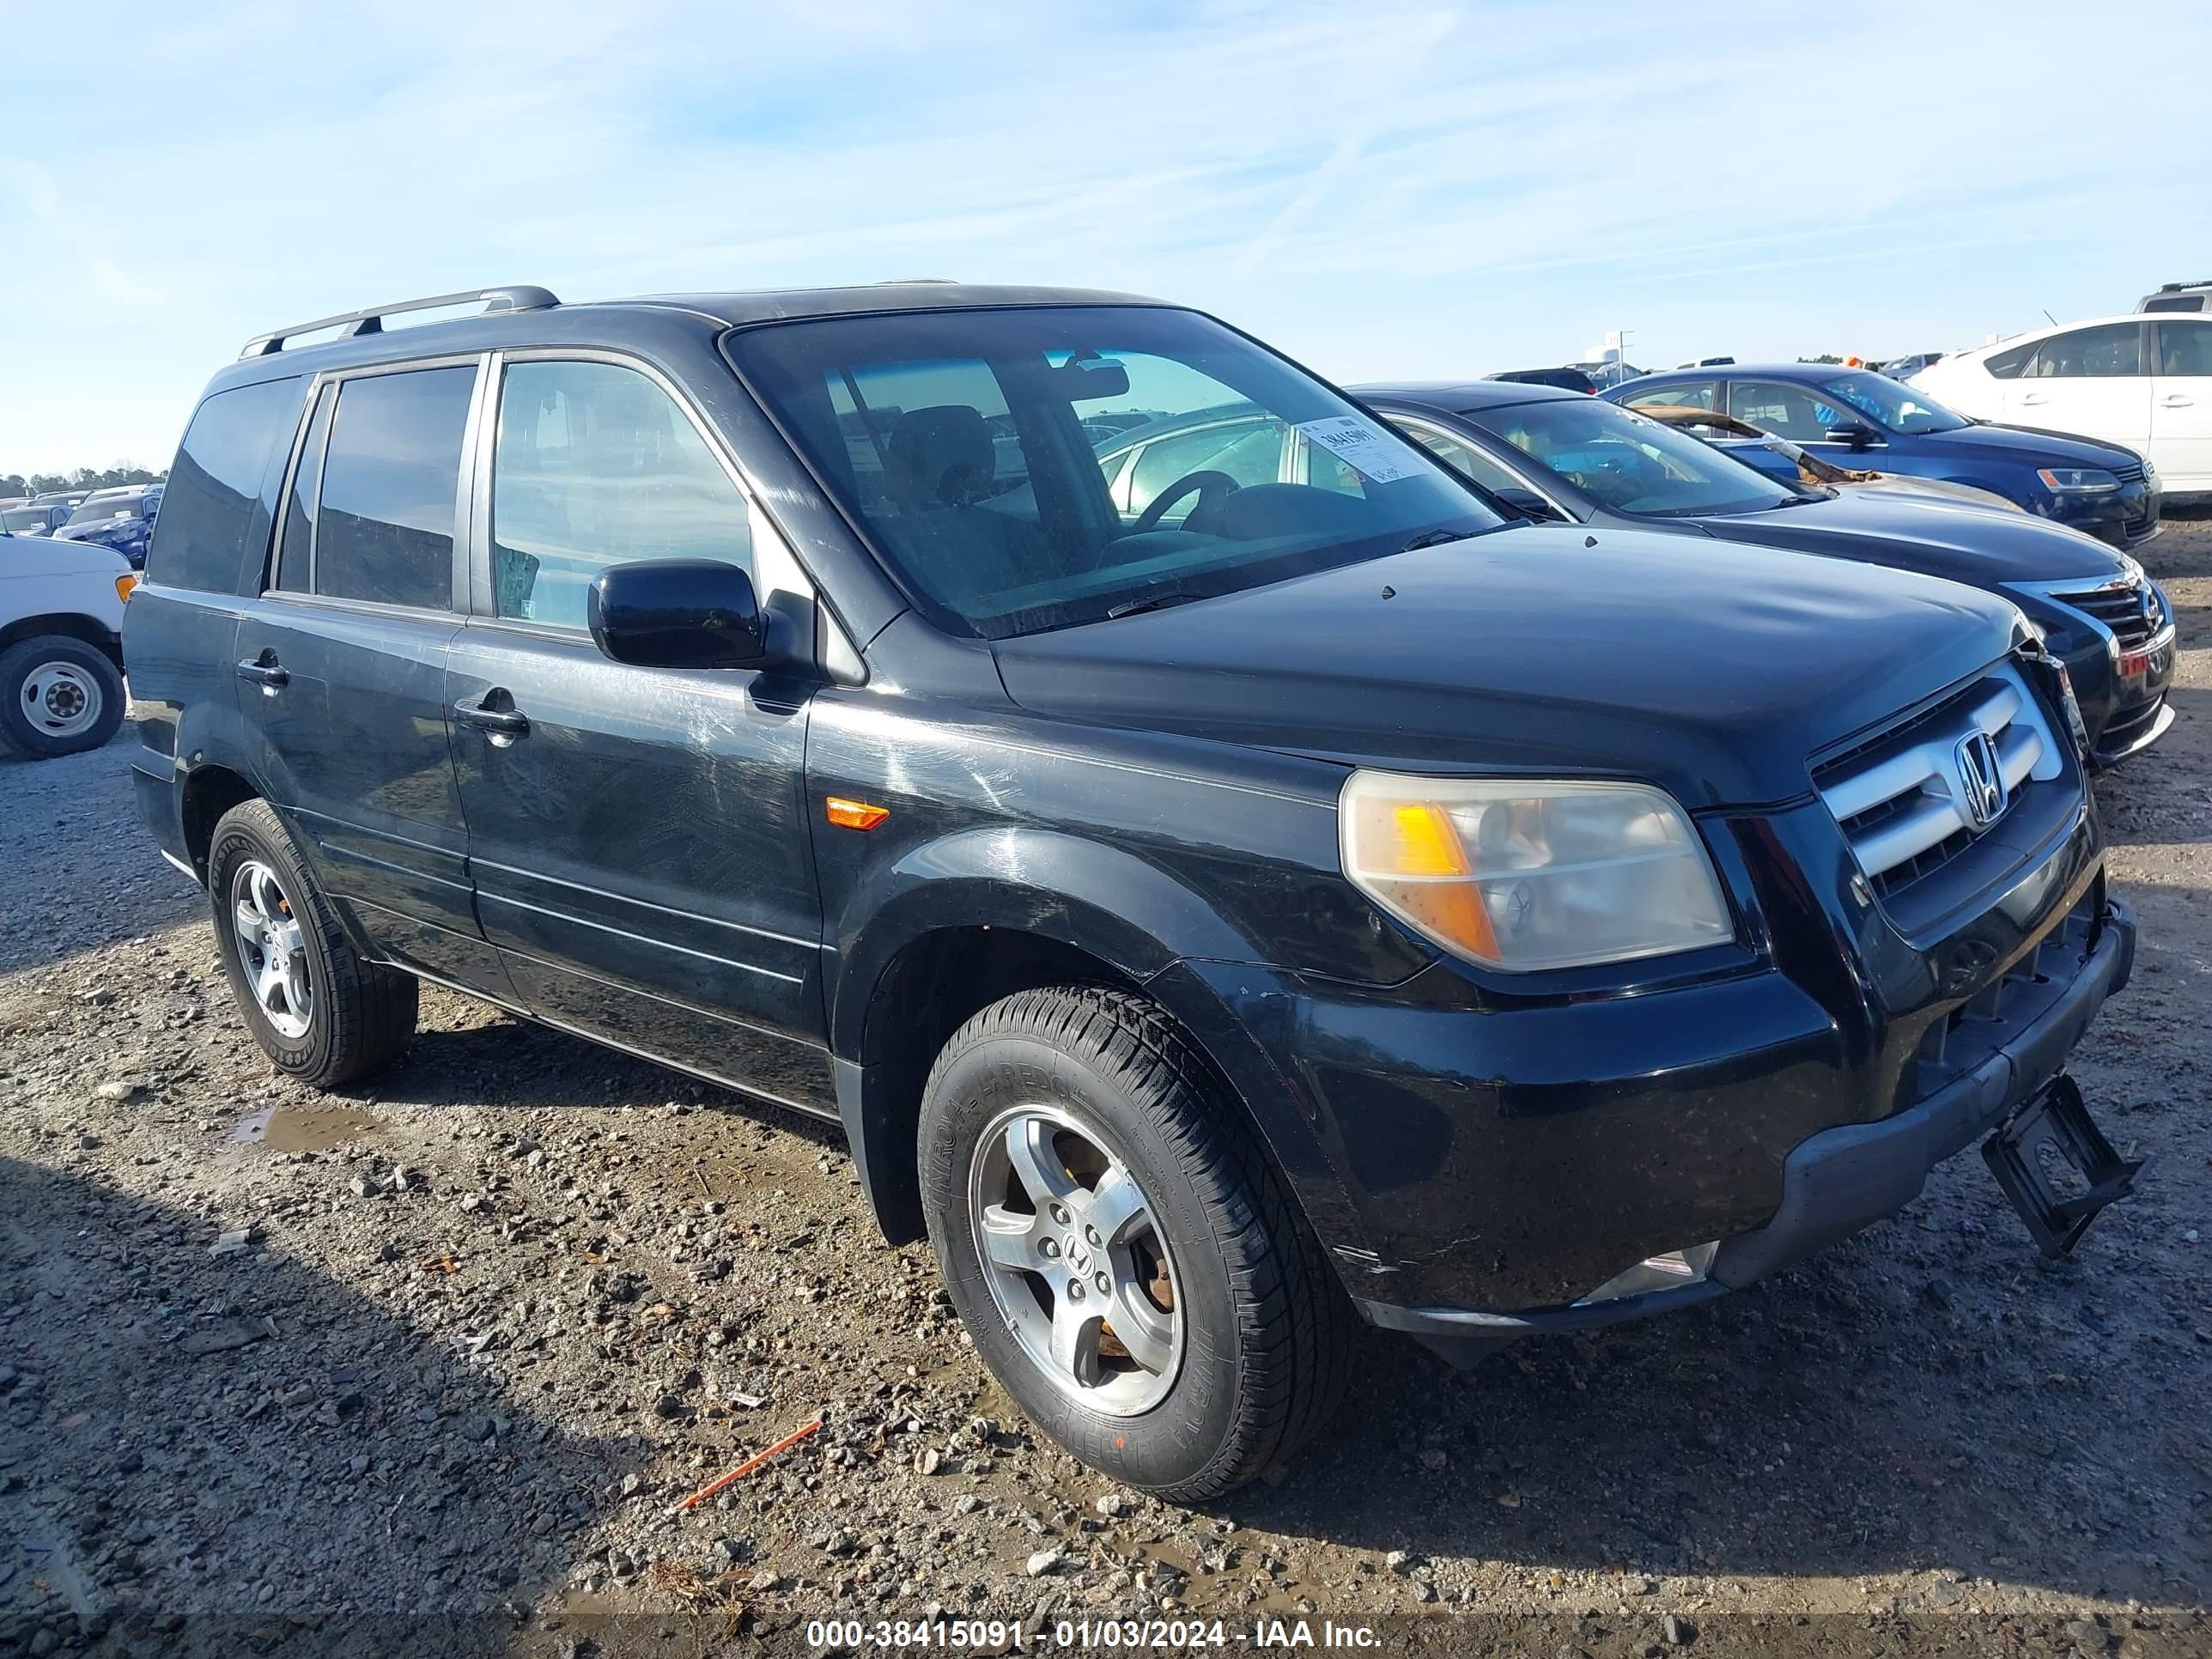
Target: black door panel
{"x": 351, "y": 745}
{"x": 641, "y": 857}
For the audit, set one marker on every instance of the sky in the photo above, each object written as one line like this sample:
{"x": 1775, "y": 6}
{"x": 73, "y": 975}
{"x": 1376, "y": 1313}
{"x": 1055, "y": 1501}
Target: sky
{"x": 1382, "y": 190}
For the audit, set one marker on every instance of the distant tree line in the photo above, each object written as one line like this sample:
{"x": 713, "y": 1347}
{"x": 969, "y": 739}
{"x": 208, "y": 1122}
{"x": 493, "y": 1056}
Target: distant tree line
{"x": 85, "y": 477}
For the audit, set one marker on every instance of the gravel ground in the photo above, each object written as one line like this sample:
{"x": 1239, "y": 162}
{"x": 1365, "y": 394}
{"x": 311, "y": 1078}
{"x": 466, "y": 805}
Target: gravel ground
{"x": 299, "y": 1373}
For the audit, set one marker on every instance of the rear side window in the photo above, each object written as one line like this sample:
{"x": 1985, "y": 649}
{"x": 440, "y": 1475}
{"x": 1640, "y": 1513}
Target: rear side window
{"x": 2007, "y": 365}
{"x": 217, "y": 508}
{"x": 384, "y": 516}
{"x": 2185, "y": 347}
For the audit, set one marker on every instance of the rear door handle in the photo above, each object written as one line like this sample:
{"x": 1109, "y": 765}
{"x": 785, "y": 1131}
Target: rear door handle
{"x": 505, "y": 725}
{"x": 2033, "y": 397}
{"x": 270, "y": 676}
{"x": 2175, "y": 400}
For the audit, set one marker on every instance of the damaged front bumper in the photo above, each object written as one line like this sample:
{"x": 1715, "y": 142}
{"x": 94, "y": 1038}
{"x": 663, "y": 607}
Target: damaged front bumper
{"x": 1841, "y": 1179}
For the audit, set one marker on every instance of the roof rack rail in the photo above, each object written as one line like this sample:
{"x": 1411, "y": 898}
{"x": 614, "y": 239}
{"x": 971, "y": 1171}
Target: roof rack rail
{"x": 514, "y": 297}
{"x": 2177, "y": 287}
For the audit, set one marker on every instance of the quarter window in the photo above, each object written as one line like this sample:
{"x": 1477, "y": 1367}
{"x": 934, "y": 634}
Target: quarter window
{"x": 2109, "y": 352}
{"x": 2185, "y": 347}
{"x": 596, "y": 465}
{"x": 217, "y": 510}
{"x": 384, "y": 520}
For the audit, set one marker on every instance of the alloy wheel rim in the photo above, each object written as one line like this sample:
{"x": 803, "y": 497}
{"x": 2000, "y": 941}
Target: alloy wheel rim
{"x": 60, "y": 699}
{"x": 272, "y": 949}
{"x": 1075, "y": 1261}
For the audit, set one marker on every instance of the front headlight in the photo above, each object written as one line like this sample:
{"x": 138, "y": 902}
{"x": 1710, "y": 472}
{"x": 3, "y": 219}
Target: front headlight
{"x": 1518, "y": 873}
{"x": 2077, "y": 480}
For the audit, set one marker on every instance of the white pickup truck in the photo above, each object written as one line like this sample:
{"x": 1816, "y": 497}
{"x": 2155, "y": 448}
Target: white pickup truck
{"x": 61, "y": 649}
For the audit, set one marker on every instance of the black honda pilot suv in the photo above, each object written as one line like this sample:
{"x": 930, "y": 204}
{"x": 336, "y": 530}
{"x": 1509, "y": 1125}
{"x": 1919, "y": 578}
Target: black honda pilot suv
{"x": 1305, "y": 899}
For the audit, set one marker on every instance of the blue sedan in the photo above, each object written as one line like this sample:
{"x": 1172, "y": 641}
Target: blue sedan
{"x": 1857, "y": 418}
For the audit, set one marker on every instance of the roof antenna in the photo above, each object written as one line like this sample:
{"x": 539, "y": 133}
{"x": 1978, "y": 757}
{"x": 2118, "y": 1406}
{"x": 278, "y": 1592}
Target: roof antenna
{"x": 2046, "y": 311}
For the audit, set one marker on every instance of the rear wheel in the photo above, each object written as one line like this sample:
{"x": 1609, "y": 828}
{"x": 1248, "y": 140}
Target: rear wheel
{"x": 318, "y": 1011}
{"x": 1123, "y": 1253}
{"x": 58, "y": 696}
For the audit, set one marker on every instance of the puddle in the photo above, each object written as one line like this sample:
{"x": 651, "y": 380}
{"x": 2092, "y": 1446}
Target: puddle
{"x": 293, "y": 1129}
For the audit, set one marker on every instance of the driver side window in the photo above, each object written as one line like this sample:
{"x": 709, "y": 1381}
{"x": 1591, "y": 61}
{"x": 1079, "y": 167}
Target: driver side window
{"x": 1788, "y": 412}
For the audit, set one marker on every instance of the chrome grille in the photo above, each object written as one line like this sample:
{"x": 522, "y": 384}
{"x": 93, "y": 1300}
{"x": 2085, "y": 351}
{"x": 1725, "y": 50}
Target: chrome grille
{"x": 2128, "y": 607}
{"x": 1911, "y": 798}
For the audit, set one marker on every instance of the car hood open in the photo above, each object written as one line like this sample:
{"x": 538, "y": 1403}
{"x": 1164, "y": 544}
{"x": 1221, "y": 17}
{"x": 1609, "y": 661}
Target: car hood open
{"x": 1712, "y": 669}
{"x": 1937, "y": 538}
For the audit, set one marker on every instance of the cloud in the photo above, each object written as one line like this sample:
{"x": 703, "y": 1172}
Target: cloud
{"x": 1396, "y": 188}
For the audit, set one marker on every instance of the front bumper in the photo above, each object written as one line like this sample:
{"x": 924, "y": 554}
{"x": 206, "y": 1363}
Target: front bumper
{"x": 1844, "y": 1179}
{"x": 2125, "y": 518}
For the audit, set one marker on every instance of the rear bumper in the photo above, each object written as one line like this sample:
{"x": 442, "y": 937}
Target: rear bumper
{"x": 1837, "y": 1181}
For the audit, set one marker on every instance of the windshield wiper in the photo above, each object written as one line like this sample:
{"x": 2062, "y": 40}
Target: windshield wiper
{"x": 1438, "y": 538}
{"x": 1150, "y": 602}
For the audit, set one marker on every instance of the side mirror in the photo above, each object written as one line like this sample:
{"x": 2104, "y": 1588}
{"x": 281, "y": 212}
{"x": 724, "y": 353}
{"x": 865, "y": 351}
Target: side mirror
{"x": 1854, "y": 434}
{"x": 1528, "y": 502}
{"x": 676, "y": 613}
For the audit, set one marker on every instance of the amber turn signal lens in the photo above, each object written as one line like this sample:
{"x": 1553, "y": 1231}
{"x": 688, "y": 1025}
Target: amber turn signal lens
{"x": 855, "y": 814}
{"x": 123, "y": 583}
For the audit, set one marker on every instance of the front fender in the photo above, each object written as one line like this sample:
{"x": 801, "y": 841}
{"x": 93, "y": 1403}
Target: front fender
{"x": 1098, "y": 899}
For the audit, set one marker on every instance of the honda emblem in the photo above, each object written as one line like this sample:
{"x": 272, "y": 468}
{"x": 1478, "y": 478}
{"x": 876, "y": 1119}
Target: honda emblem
{"x": 1981, "y": 780}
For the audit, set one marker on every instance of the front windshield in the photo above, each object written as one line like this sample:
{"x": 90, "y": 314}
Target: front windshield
{"x": 1008, "y": 463}
{"x": 1900, "y": 407}
{"x": 1630, "y": 462}
{"x": 115, "y": 507}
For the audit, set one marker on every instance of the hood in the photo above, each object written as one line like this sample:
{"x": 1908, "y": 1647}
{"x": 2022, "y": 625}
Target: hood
{"x": 1934, "y": 538}
{"x": 45, "y": 555}
{"x": 2027, "y": 445}
{"x": 1711, "y": 669}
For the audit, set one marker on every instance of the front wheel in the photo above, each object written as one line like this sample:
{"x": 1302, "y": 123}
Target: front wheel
{"x": 58, "y": 696}
{"x": 1121, "y": 1250}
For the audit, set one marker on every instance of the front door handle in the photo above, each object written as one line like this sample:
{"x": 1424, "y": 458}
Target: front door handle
{"x": 265, "y": 671}
{"x": 2175, "y": 400}
{"x": 2033, "y": 397}
{"x": 505, "y": 725}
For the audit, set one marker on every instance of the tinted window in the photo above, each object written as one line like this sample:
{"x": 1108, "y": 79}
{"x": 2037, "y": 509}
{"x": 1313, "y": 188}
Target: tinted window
{"x": 597, "y": 465}
{"x": 2005, "y": 365}
{"x": 2176, "y": 303}
{"x": 384, "y": 520}
{"x": 921, "y": 423}
{"x": 1789, "y": 411}
{"x": 2185, "y": 347}
{"x": 214, "y": 514}
{"x": 1695, "y": 394}
{"x": 295, "y": 548}
{"x": 2109, "y": 352}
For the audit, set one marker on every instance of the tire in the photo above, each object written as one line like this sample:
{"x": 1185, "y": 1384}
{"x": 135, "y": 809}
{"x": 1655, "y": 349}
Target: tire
{"x": 1238, "y": 1351}
{"x": 319, "y": 1013}
{"x": 58, "y": 696}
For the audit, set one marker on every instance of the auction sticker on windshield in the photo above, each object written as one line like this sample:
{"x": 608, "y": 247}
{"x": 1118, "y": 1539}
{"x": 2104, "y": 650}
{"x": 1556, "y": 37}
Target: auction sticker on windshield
{"x": 1361, "y": 447}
